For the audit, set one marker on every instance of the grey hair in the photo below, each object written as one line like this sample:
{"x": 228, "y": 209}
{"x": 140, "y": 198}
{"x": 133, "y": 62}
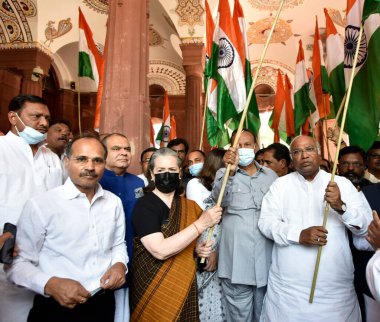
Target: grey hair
{"x": 163, "y": 152}
{"x": 300, "y": 136}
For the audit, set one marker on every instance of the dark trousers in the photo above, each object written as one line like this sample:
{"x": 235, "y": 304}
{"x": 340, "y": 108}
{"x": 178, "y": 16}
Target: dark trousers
{"x": 99, "y": 308}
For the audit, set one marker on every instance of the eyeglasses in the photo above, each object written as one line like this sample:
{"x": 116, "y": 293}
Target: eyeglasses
{"x": 146, "y": 160}
{"x": 345, "y": 164}
{"x": 83, "y": 160}
{"x": 374, "y": 155}
{"x": 309, "y": 150}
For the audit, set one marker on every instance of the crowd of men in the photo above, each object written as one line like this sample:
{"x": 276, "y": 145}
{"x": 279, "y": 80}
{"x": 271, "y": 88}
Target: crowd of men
{"x": 72, "y": 200}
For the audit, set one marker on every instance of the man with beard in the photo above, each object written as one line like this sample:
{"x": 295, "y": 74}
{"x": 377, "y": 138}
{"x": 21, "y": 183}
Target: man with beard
{"x": 27, "y": 168}
{"x": 292, "y": 215}
{"x": 352, "y": 165}
{"x": 128, "y": 188}
{"x": 71, "y": 242}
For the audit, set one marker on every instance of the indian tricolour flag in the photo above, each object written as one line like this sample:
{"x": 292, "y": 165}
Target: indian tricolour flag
{"x": 227, "y": 69}
{"x": 303, "y": 105}
{"x": 216, "y": 135}
{"x": 164, "y": 133}
{"x": 253, "y": 117}
{"x": 363, "y": 115}
{"x": 89, "y": 57}
{"x": 321, "y": 80}
{"x": 334, "y": 63}
{"x": 277, "y": 114}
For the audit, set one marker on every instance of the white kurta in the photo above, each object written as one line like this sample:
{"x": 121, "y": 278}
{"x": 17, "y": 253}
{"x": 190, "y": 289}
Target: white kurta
{"x": 373, "y": 275}
{"x": 291, "y": 205}
{"x": 22, "y": 176}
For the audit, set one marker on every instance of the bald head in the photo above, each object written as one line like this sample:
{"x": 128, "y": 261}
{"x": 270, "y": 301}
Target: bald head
{"x": 305, "y": 154}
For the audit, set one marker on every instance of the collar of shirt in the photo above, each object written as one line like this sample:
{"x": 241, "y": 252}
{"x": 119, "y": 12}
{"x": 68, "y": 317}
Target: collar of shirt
{"x": 110, "y": 173}
{"x": 15, "y": 139}
{"x": 316, "y": 178}
{"x": 70, "y": 191}
{"x": 258, "y": 167}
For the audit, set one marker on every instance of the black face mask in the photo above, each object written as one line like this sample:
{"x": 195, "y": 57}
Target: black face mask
{"x": 166, "y": 181}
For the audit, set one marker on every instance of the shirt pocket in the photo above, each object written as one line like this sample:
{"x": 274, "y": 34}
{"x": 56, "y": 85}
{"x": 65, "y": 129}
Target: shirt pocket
{"x": 241, "y": 197}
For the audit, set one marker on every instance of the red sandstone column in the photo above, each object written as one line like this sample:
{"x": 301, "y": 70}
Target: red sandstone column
{"x": 193, "y": 56}
{"x": 31, "y": 87}
{"x": 25, "y": 60}
{"x": 125, "y": 104}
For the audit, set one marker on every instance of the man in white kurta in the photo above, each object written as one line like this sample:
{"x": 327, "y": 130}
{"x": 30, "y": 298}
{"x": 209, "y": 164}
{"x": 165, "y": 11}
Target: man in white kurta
{"x": 25, "y": 171}
{"x": 292, "y": 215}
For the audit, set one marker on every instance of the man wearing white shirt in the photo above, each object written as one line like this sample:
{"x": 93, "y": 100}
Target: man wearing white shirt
{"x": 292, "y": 215}
{"x": 27, "y": 168}
{"x": 71, "y": 242}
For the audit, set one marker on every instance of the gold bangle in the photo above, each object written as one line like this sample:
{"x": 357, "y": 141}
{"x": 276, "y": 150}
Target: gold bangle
{"x": 196, "y": 229}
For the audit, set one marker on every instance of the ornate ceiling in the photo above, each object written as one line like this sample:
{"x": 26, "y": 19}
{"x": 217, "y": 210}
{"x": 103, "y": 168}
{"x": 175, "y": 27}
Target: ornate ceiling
{"x": 51, "y": 25}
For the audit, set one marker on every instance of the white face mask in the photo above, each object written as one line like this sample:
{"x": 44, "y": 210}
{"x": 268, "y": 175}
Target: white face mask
{"x": 30, "y": 135}
{"x": 195, "y": 169}
{"x": 246, "y": 156}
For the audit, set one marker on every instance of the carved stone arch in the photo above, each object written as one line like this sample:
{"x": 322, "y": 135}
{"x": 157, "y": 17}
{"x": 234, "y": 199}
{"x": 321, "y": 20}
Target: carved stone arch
{"x": 165, "y": 82}
{"x": 266, "y": 85}
{"x": 168, "y": 75}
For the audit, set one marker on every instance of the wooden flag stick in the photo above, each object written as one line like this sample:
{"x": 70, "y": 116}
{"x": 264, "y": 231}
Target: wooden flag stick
{"x": 204, "y": 119}
{"x": 243, "y": 116}
{"x": 311, "y": 124}
{"x": 339, "y": 111}
{"x": 79, "y": 111}
{"x": 311, "y": 298}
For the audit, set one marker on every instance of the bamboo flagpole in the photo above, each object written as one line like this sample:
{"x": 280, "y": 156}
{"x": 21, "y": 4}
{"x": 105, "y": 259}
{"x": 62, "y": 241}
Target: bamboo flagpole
{"x": 204, "y": 119}
{"x": 244, "y": 115}
{"x": 79, "y": 110}
{"x": 325, "y": 134}
{"x": 311, "y": 298}
{"x": 339, "y": 111}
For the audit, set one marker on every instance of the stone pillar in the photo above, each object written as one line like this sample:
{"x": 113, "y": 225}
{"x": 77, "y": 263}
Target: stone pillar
{"x": 9, "y": 87}
{"x": 193, "y": 57}
{"x": 24, "y": 61}
{"x": 125, "y": 103}
{"x": 28, "y": 85}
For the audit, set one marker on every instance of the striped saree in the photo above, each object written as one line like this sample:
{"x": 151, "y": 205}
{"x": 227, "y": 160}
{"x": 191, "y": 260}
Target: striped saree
{"x": 166, "y": 290}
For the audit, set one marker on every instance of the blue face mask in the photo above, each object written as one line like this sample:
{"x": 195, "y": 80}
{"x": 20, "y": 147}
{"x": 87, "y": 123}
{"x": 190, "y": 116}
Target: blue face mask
{"x": 30, "y": 135}
{"x": 246, "y": 156}
{"x": 196, "y": 168}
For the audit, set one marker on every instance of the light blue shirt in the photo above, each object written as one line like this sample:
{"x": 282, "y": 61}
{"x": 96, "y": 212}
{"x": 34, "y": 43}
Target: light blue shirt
{"x": 244, "y": 253}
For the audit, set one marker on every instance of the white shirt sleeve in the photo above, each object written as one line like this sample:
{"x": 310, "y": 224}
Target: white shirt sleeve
{"x": 30, "y": 238}
{"x": 119, "y": 253}
{"x": 358, "y": 213}
{"x": 373, "y": 275}
{"x": 271, "y": 223}
{"x": 194, "y": 192}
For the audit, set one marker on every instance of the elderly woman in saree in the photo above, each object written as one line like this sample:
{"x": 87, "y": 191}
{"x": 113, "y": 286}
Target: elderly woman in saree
{"x": 163, "y": 285}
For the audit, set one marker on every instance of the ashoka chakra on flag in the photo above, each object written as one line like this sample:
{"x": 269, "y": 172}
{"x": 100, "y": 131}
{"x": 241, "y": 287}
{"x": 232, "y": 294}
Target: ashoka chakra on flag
{"x": 350, "y": 43}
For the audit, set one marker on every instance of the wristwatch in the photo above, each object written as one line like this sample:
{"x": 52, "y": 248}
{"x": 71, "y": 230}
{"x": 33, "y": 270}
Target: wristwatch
{"x": 343, "y": 209}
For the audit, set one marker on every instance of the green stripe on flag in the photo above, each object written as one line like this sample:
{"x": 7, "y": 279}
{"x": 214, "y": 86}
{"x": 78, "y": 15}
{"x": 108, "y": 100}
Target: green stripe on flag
{"x": 363, "y": 114}
{"x": 337, "y": 85}
{"x": 84, "y": 68}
